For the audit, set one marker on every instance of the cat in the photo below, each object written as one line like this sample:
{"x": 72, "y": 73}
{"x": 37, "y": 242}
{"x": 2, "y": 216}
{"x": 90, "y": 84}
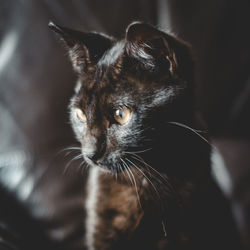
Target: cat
{"x": 133, "y": 113}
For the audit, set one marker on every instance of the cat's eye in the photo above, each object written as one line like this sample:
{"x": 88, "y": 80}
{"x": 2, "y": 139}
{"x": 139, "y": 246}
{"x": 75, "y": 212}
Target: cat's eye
{"x": 80, "y": 115}
{"x": 122, "y": 115}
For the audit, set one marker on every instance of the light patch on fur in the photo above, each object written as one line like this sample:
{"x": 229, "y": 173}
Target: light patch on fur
{"x": 91, "y": 203}
{"x": 144, "y": 182}
{"x": 78, "y": 86}
{"x": 220, "y": 172}
{"x": 111, "y": 56}
{"x": 162, "y": 96}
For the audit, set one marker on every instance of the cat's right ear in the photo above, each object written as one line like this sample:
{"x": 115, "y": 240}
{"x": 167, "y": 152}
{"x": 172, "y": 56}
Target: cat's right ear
{"x": 155, "y": 49}
{"x": 85, "y": 49}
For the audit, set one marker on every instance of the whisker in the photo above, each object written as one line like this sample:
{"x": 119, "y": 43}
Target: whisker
{"x": 140, "y": 151}
{"x": 124, "y": 167}
{"x": 192, "y": 130}
{"x": 69, "y": 148}
{"x": 184, "y": 125}
{"x": 70, "y": 162}
{"x": 163, "y": 180}
{"x": 164, "y": 228}
{"x": 140, "y": 159}
{"x": 156, "y": 191}
{"x": 134, "y": 181}
{"x": 84, "y": 165}
{"x": 73, "y": 148}
{"x": 136, "y": 188}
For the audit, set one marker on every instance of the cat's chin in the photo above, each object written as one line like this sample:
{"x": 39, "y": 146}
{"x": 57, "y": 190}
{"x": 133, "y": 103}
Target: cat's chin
{"x": 105, "y": 170}
{"x": 109, "y": 170}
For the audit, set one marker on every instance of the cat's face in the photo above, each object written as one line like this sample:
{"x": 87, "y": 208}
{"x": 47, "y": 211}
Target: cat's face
{"x": 126, "y": 93}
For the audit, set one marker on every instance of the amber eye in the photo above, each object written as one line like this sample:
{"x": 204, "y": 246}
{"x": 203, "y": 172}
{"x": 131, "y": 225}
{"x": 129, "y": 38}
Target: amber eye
{"x": 122, "y": 115}
{"x": 80, "y": 115}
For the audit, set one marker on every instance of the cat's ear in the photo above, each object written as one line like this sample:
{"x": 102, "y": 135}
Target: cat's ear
{"x": 85, "y": 49}
{"x": 152, "y": 46}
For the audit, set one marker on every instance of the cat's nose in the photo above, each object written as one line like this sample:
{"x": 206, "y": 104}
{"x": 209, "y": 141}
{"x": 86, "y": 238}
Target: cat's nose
{"x": 94, "y": 147}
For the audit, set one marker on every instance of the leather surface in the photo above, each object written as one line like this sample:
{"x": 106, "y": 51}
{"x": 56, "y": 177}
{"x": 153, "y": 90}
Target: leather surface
{"x": 219, "y": 34}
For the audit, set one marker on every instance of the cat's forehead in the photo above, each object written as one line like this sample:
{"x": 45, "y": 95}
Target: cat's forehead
{"x": 106, "y": 89}
{"x": 111, "y": 76}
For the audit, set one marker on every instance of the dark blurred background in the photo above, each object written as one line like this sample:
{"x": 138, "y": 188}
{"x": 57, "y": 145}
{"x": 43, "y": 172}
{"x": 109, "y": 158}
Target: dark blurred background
{"x": 41, "y": 190}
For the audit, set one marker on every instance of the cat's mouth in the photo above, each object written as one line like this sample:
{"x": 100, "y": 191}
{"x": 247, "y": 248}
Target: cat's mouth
{"x": 107, "y": 167}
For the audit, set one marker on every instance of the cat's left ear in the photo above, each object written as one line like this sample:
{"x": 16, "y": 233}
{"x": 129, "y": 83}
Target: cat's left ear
{"x": 85, "y": 49}
{"x": 151, "y": 46}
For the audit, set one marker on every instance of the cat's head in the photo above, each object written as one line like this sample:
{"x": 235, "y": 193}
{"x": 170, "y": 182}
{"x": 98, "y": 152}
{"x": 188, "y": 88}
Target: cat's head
{"x": 127, "y": 92}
